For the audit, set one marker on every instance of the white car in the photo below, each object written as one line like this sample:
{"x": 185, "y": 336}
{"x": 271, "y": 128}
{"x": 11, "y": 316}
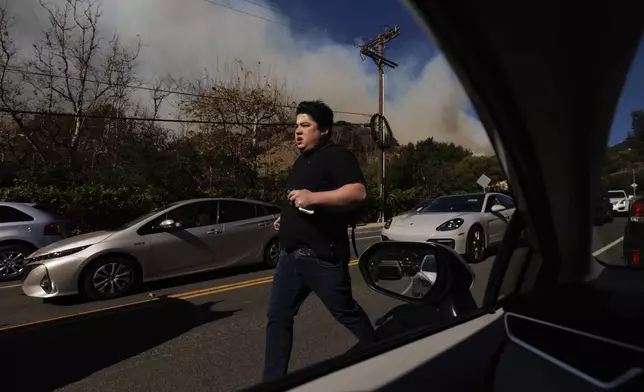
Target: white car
{"x": 468, "y": 223}
{"x": 620, "y": 201}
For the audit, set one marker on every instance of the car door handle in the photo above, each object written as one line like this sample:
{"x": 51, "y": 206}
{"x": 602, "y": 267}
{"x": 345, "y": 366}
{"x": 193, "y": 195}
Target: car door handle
{"x": 264, "y": 224}
{"x": 214, "y": 232}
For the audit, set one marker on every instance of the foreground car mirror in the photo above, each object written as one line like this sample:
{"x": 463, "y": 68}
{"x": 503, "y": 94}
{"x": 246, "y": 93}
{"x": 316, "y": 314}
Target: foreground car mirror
{"x": 419, "y": 272}
{"x": 497, "y": 208}
{"x": 169, "y": 224}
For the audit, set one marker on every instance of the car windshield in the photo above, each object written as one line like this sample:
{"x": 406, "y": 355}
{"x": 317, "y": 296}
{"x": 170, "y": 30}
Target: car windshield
{"x": 460, "y": 203}
{"x": 616, "y": 195}
{"x": 144, "y": 217}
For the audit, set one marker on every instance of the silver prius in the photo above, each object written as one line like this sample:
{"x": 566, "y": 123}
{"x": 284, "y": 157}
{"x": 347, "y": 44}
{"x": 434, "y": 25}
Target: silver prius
{"x": 182, "y": 238}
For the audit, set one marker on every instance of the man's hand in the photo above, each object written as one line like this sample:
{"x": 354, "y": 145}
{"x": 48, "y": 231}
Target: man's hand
{"x": 302, "y": 198}
{"x": 276, "y": 224}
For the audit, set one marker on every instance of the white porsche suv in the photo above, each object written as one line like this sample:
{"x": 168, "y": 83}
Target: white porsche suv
{"x": 468, "y": 223}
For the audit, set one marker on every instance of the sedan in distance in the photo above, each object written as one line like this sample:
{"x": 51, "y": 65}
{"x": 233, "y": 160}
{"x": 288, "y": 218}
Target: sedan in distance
{"x": 181, "y": 238}
{"x": 25, "y": 227}
{"x": 468, "y": 223}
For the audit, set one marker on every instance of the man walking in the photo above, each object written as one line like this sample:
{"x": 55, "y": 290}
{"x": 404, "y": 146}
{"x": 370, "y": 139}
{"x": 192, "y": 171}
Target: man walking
{"x": 325, "y": 179}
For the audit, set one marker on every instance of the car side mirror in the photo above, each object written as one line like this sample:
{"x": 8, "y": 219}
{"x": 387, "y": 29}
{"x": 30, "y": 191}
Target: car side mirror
{"x": 419, "y": 272}
{"x": 497, "y": 208}
{"x": 169, "y": 224}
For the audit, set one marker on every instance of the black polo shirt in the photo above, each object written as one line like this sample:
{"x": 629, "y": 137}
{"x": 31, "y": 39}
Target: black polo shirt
{"x": 324, "y": 168}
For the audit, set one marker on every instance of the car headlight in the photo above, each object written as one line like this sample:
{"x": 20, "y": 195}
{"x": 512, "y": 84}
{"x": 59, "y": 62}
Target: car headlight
{"x": 388, "y": 223}
{"x": 451, "y": 224}
{"x": 57, "y": 254}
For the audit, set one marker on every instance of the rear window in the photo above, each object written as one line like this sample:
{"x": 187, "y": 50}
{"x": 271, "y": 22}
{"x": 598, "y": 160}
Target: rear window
{"x": 12, "y": 215}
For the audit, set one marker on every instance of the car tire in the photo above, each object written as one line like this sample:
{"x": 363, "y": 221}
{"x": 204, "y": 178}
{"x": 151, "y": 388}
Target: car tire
{"x": 15, "y": 255}
{"x": 475, "y": 249}
{"x": 110, "y": 277}
{"x": 272, "y": 253}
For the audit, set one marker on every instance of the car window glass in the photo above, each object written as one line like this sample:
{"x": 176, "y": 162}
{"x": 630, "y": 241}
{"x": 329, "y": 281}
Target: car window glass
{"x": 207, "y": 115}
{"x": 233, "y": 211}
{"x": 186, "y": 215}
{"x": 506, "y": 202}
{"x": 190, "y": 216}
{"x": 491, "y": 201}
{"x": 618, "y": 213}
{"x": 456, "y": 203}
{"x": 12, "y": 215}
{"x": 261, "y": 210}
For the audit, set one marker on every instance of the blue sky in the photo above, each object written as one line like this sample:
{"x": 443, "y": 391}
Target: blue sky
{"x": 347, "y": 21}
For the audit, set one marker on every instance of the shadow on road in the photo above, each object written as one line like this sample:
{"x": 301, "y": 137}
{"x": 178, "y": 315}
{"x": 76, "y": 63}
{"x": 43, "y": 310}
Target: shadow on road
{"x": 168, "y": 283}
{"x": 50, "y": 356}
{"x": 405, "y": 318}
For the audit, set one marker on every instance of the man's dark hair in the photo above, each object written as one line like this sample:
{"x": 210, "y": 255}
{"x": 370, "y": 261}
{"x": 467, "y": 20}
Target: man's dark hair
{"x": 319, "y": 112}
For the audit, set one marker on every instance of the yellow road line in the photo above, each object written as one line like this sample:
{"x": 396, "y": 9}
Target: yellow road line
{"x": 231, "y": 285}
{"x": 76, "y": 314}
{"x": 235, "y": 286}
{"x": 186, "y": 295}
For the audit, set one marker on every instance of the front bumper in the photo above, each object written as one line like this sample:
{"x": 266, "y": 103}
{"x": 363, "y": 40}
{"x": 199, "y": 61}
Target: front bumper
{"x": 62, "y": 275}
{"x": 455, "y": 240}
{"x": 620, "y": 208}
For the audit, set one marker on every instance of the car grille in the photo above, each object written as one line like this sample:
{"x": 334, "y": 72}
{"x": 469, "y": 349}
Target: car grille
{"x": 445, "y": 242}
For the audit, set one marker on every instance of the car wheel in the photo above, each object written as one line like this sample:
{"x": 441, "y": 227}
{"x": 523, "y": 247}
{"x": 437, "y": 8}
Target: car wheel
{"x": 475, "y": 246}
{"x": 272, "y": 253}
{"x": 12, "y": 261}
{"x": 110, "y": 277}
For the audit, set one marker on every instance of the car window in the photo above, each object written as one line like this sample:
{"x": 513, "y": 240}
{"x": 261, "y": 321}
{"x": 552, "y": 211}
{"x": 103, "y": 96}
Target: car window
{"x": 273, "y": 210}
{"x": 233, "y": 211}
{"x": 491, "y": 201}
{"x": 12, "y": 215}
{"x": 506, "y": 201}
{"x": 618, "y": 223}
{"x": 191, "y": 215}
{"x": 145, "y": 216}
{"x": 616, "y": 195}
{"x": 201, "y": 112}
{"x": 459, "y": 203}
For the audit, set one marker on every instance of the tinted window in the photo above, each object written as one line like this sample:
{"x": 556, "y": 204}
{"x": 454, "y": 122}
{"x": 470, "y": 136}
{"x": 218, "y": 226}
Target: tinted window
{"x": 233, "y": 211}
{"x": 461, "y": 203}
{"x": 273, "y": 210}
{"x": 261, "y": 210}
{"x": 616, "y": 195}
{"x": 144, "y": 217}
{"x": 12, "y": 215}
{"x": 189, "y": 215}
{"x": 506, "y": 201}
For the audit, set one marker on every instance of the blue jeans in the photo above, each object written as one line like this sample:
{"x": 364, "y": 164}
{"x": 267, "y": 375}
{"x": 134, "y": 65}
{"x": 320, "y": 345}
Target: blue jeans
{"x": 299, "y": 273}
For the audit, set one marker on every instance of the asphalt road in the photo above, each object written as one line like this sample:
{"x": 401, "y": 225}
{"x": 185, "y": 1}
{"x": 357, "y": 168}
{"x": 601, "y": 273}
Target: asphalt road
{"x": 203, "y": 333}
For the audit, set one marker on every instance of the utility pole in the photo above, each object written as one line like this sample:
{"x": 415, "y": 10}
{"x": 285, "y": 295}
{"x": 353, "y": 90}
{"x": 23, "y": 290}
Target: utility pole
{"x": 374, "y": 49}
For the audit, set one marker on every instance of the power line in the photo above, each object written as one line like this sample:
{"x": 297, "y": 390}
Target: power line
{"x": 129, "y": 118}
{"x": 153, "y": 89}
{"x": 152, "y": 119}
{"x": 259, "y": 5}
{"x": 245, "y": 13}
